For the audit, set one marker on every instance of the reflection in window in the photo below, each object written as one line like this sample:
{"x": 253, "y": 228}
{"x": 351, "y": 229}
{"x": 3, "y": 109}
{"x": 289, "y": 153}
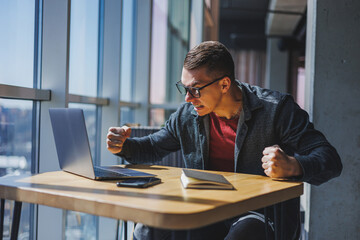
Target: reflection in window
{"x": 15, "y": 154}
{"x": 17, "y": 42}
{"x": 83, "y": 69}
{"x": 169, "y": 45}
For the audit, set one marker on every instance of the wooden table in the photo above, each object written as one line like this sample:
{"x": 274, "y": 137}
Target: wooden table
{"x": 167, "y": 205}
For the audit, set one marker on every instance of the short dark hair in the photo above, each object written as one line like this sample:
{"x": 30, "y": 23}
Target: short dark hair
{"x": 214, "y": 56}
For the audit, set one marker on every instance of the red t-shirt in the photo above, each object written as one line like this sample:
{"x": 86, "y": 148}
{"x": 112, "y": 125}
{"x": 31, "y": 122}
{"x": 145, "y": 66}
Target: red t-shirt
{"x": 222, "y": 143}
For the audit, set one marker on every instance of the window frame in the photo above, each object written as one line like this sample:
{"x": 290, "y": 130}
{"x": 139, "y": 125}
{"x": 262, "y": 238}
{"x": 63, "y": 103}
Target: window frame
{"x": 51, "y": 88}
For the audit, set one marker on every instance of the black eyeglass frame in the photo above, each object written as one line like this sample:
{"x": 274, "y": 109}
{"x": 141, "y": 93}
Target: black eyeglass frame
{"x": 195, "y": 89}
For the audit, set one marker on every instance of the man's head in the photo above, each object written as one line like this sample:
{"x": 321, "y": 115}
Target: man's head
{"x": 214, "y": 57}
{"x": 207, "y": 79}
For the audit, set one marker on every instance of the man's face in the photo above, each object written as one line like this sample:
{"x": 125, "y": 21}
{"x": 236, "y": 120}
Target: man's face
{"x": 210, "y": 96}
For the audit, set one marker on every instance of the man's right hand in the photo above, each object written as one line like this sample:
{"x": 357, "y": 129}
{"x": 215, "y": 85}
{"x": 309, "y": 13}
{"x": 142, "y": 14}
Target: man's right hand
{"x": 116, "y": 138}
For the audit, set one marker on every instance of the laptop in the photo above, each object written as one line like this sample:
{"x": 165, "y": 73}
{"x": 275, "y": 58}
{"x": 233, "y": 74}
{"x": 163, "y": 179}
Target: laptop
{"x": 73, "y": 149}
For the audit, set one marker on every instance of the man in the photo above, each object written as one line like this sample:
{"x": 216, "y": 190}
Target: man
{"x": 226, "y": 125}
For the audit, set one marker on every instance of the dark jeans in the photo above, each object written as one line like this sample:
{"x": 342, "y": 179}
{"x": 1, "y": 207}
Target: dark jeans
{"x": 247, "y": 226}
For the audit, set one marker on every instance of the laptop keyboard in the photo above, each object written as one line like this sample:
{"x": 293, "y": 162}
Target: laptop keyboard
{"x": 99, "y": 172}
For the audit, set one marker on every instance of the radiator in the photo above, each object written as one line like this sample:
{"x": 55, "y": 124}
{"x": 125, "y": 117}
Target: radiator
{"x": 174, "y": 159}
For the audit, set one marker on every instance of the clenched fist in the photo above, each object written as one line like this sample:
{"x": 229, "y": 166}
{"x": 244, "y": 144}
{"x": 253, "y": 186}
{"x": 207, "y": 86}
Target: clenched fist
{"x": 277, "y": 164}
{"x": 116, "y": 138}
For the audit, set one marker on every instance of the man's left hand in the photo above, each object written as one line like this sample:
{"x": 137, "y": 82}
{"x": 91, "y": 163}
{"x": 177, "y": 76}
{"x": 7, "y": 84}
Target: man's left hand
{"x": 277, "y": 164}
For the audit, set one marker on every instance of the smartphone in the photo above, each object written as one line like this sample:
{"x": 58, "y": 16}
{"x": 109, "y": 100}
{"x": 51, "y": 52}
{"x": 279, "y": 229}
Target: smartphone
{"x": 139, "y": 182}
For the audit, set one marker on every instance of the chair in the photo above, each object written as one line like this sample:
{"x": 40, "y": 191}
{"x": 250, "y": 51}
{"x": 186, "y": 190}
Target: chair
{"x": 174, "y": 159}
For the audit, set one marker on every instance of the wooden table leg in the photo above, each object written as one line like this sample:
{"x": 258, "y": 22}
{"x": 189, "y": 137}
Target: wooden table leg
{"x": 188, "y": 234}
{"x": 16, "y": 221}
{"x": 125, "y": 230}
{"x": 279, "y": 221}
{"x": 266, "y": 223}
{"x": 2, "y": 218}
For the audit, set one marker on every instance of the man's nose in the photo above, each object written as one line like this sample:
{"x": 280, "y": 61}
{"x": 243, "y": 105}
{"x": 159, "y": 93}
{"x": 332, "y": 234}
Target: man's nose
{"x": 188, "y": 97}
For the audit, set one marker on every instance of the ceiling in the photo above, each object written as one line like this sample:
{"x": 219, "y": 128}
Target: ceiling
{"x": 247, "y": 24}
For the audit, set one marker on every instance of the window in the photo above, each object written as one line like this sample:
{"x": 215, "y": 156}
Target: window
{"x": 84, "y": 55}
{"x": 169, "y": 45}
{"x": 84, "y": 32}
{"x": 127, "y": 60}
{"x": 83, "y": 88}
{"x": 90, "y": 115}
{"x": 17, "y": 136}
{"x": 16, "y": 153}
{"x": 17, "y": 19}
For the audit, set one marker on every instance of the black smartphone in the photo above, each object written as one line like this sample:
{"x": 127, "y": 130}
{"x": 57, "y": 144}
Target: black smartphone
{"x": 139, "y": 182}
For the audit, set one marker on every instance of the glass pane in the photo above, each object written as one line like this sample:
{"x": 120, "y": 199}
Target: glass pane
{"x": 126, "y": 116}
{"x": 159, "y": 116}
{"x": 15, "y": 154}
{"x": 81, "y": 225}
{"x": 15, "y": 136}
{"x": 25, "y": 220}
{"x": 90, "y": 122}
{"x": 170, "y": 28}
{"x": 127, "y": 51}
{"x": 17, "y": 42}
{"x": 300, "y": 95}
{"x": 158, "y": 51}
{"x": 84, "y": 32}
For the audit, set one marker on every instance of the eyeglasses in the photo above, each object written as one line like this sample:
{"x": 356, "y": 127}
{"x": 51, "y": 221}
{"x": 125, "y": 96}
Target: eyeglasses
{"x": 194, "y": 91}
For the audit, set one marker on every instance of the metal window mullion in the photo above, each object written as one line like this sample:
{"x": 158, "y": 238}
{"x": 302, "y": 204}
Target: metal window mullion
{"x": 110, "y": 76}
{"x": 37, "y": 85}
{"x": 149, "y": 61}
{"x": 99, "y": 89}
{"x": 55, "y": 33}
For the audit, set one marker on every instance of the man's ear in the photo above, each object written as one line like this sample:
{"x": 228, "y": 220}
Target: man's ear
{"x": 225, "y": 84}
